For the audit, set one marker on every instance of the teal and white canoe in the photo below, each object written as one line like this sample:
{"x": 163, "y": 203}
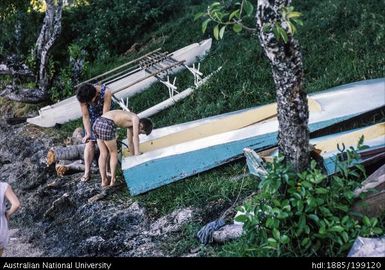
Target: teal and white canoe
{"x": 176, "y": 152}
{"x": 126, "y": 83}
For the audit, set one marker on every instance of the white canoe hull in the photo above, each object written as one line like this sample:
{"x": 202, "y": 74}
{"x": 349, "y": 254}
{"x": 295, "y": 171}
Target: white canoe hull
{"x": 69, "y": 109}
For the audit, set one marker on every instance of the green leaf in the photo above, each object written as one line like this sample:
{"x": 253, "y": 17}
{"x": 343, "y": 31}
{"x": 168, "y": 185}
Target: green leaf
{"x": 215, "y": 4}
{"x": 222, "y": 32}
{"x": 297, "y": 21}
{"x": 285, "y": 239}
{"x": 305, "y": 242}
{"x": 282, "y": 33}
{"x": 241, "y": 218}
{"x": 294, "y": 14}
{"x": 198, "y": 15}
{"x": 248, "y": 7}
{"x": 321, "y": 191}
{"x": 204, "y": 25}
{"x": 302, "y": 222}
{"x": 270, "y": 223}
{"x": 276, "y": 234}
{"x": 337, "y": 228}
{"x": 233, "y": 14}
{"x": 313, "y": 217}
{"x": 345, "y": 236}
{"x": 237, "y": 28}
{"x": 297, "y": 196}
{"x": 216, "y": 32}
{"x": 292, "y": 27}
{"x": 272, "y": 242}
{"x": 366, "y": 221}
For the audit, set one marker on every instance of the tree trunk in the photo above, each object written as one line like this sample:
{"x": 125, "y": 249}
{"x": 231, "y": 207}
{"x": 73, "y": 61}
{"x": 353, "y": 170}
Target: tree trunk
{"x": 287, "y": 67}
{"x": 49, "y": 32}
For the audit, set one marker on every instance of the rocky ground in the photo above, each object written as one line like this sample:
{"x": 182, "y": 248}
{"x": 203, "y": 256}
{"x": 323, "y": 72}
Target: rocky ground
{"x": 61, "y": 216}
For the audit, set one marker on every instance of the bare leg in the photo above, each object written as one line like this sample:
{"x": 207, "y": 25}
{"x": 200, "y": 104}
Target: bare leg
{"x": 102, "y": 162}
{"x": 113, "y": 150}
{"x": 89, "y": 151}
{"x": 1, "y": 252}
{"x": 108, "y": 166}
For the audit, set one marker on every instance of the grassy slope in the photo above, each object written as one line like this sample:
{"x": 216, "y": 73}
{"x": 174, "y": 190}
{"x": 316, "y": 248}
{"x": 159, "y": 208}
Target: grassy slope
{"x": 342, "y": 42}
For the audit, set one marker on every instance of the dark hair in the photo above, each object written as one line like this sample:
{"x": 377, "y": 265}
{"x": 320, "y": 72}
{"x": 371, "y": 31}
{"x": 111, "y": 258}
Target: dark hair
{"x": 147, "y": 125}
{"x": 86, "y": 92}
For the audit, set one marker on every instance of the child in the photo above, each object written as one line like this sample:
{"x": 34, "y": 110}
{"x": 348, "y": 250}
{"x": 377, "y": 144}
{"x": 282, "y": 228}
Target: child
{"x": 6, "y": 192}
{"x": 105, "y": 131}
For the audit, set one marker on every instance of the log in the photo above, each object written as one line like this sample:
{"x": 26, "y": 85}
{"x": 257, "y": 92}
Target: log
{"x": 24, "y": 95}
{"x": 72, "y": 152}
{"x": 67, "y": 166}
{"x": 76, "y": 137}
{"x": 15, "y": 120}
{"x": 64, "y": 167}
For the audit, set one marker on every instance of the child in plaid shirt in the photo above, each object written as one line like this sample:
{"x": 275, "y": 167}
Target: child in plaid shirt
{"x": 105, "y": 131}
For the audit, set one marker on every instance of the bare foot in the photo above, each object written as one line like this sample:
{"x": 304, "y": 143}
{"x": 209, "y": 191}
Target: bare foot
{"x": 105, "y": 182}
{"x": 85, "y": 178}
{"x": 112, "y": 183}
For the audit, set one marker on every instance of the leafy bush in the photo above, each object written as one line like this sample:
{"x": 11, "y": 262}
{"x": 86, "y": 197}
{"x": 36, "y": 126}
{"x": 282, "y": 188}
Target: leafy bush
{"x": 114, "y": 26}
{"x": 305, "y": 214}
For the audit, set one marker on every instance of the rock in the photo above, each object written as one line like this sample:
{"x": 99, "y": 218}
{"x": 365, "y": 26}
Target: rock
{"x": 58, "y": 205}
{"x": 171, "y": 223}
{"x": 368, "y": 247}
{"x": 228, "y": 233}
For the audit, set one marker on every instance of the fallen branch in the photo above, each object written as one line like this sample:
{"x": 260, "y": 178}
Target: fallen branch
{"x": 24, "y": 95}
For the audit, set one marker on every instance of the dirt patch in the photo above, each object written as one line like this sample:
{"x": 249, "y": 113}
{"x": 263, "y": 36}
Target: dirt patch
{"x": 19, "y": 248}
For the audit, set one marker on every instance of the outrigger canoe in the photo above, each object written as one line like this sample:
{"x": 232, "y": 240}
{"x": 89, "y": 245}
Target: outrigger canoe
{"x": 332, "y": 147}
{"x": 176, "y": 152}
{"x": 127, "y": 80}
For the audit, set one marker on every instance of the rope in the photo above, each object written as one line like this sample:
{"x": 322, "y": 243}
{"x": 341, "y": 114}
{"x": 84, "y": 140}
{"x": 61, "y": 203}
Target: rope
{"x": 205, "y": 234}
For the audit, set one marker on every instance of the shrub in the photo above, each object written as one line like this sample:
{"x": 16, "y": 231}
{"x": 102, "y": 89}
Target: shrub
{"x": 306, "y": 214}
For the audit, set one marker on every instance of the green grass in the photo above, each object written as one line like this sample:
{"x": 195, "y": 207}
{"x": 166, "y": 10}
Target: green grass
{"x": 213, "y": 191}
{"x": 342, "y": 41}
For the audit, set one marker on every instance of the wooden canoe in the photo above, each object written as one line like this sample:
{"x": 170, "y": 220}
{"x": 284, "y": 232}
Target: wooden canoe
{"x": 176, "y": 152}
{"x": 374, "y": 138}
